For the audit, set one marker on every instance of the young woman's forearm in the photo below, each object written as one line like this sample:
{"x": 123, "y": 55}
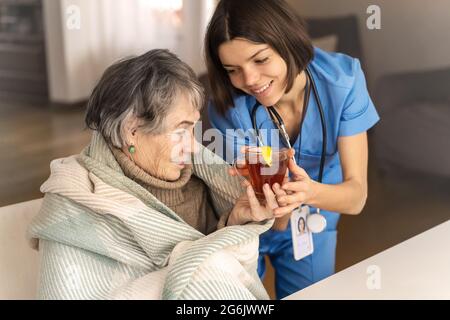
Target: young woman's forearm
{"x": 348, "y": 197}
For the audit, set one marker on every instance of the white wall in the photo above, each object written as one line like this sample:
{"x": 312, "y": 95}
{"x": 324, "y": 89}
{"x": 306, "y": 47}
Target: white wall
{"x": 54, "y": 48}
{"x": 414, "y": 35}
{"x": 110, "y": 30}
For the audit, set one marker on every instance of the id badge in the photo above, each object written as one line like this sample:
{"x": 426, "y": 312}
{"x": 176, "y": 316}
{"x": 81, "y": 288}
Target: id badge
{"x": 302, "y": 240}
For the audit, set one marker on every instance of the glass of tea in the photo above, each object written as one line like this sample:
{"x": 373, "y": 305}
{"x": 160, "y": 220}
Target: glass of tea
{"x": 260, "y": 168}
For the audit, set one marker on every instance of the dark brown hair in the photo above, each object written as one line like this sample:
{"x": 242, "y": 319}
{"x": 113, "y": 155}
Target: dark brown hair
{"x": 270, "y": 22}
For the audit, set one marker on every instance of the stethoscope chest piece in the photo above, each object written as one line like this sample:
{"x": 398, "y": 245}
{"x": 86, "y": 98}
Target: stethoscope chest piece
{"x": 316, "y": 222}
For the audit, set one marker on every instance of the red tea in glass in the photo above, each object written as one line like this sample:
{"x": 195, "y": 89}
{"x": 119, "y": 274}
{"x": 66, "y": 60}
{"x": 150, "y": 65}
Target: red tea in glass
{"x": 261, "y": 172}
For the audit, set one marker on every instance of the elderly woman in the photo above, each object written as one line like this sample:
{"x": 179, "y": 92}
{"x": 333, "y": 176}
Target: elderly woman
{"x": 132, "y": 216}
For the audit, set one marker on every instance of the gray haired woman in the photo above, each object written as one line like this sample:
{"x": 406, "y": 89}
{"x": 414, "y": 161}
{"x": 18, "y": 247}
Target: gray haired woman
{"x": 142, "y": 213}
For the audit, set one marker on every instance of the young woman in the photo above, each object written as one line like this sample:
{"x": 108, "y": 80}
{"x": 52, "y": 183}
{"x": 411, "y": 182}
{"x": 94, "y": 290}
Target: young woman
{"x": 259, "y": 56}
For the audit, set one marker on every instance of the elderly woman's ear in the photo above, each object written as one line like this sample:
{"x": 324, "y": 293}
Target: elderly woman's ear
{"x": 130, "y": 134}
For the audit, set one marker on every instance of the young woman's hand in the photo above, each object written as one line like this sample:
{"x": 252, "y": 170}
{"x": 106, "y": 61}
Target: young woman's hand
{"x": 300, "y": 190}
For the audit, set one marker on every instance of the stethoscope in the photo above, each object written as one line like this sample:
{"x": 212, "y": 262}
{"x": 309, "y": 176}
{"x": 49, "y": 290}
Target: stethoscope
{"x": 315, "y": 222}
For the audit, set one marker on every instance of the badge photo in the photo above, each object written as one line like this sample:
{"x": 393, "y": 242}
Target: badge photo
{"x": 302, "y": 240}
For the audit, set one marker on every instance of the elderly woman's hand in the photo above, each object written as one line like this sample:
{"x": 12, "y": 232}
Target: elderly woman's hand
{"x": 249, "y": 209}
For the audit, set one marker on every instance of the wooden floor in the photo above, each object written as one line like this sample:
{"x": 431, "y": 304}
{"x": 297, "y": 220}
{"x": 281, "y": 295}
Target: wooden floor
{"x": 398, "y": 207}
{"x": 30, "y": 137}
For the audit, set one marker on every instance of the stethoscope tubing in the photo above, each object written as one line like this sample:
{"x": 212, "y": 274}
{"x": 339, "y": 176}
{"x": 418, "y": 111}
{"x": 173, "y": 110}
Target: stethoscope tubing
{"x": 317, "y": 222}
{"x": 280, "y": 123}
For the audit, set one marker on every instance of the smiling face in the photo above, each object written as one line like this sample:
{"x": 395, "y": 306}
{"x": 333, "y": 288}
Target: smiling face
{"x": 301, "y": 225}
{"x": 256, "y": 69}
{"x": 164, "y": 155}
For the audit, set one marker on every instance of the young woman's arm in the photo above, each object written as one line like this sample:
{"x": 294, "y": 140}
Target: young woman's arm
{"x": 348, "y": 197}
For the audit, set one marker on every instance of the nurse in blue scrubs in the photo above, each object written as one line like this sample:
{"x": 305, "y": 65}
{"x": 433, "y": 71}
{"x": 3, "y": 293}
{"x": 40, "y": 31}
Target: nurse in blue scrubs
{"x": 257, "y": 51}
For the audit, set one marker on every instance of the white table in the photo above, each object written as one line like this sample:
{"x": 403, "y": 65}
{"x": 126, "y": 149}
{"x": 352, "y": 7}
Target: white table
{"x": 418, "y": 268}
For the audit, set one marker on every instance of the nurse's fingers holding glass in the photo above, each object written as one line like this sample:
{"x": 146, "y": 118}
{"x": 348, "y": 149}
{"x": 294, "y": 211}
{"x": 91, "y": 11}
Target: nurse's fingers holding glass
{"x": 298, "y": 197}
{"x": 278, "y": 194}
{"x": 291, "y": 153}
{"x": 286, "y": 178}
{"x": 282, "y": 211}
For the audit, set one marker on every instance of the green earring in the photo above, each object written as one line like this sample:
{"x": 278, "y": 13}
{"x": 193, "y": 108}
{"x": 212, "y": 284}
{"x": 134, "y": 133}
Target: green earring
{"x": 131, "y": 149}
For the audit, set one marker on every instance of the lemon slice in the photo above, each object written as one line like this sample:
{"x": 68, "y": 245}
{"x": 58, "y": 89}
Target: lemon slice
{"x": 266, "y": 153}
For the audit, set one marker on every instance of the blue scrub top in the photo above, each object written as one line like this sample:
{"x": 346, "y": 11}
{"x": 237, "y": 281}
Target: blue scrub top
{"x": 348, "y": 109}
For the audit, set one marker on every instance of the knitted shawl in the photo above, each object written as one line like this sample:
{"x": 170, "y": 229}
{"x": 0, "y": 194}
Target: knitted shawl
{"x": 102, "y": 236}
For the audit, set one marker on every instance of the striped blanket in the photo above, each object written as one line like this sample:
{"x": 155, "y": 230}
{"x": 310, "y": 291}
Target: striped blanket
{"x": 103, "y": 236}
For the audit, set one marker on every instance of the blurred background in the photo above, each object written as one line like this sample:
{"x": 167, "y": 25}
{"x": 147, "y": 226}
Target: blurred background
{"x": 52, "y": 52}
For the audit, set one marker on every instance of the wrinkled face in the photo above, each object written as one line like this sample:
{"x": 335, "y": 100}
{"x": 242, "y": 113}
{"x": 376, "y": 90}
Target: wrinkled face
{"x": 163, "y": 156}
{"x": 256, "y": 69}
